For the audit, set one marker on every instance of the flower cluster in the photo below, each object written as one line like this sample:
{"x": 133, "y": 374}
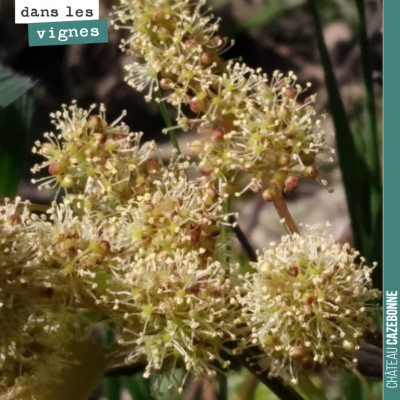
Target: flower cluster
{"x": 308, "y": 305}
{"x": 144, "y": 244}
{"x": 247, "y": 123}
{"x": 36, "y": 327}
{"x": 138, "y": 241}
{"x": 177, "y": 312}
{"x": 88, "y": 154}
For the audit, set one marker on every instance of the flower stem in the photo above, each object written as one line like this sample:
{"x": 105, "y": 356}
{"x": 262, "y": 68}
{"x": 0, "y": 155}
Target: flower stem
{"x": 167, "y": 120}
{"x": 241, "y": 237}
{"x": 284, "y": 392}
{"x": 283, "y": 211}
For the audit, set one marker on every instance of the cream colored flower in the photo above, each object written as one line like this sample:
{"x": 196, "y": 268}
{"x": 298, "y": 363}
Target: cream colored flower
{"x": 308, "y": 304}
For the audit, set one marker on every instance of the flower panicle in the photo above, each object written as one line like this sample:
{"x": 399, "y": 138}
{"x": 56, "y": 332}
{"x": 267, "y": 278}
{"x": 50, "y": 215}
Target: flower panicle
{"x": 265, "y": 128}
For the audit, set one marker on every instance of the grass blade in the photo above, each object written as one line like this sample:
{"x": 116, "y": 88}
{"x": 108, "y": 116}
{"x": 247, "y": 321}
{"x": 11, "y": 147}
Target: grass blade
{"x": 167, "y": 120}
{"x": 353, "y": 169}
{"x": 371, "y": 143}
{"x": 12, "y": 86}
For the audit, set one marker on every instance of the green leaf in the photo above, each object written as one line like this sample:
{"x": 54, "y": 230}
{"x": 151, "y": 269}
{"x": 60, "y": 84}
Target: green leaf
{"x": 139, "y": 387}
{"x": 353, "y": 167}
{"x": 15, "y": 120}
{"x": 12, "y": 86}
{"x": 269, "y": 14}
{"x": 16, "y": 107}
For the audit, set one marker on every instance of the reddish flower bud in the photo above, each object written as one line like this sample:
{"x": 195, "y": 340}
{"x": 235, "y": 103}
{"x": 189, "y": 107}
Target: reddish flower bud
{"x": 309, "y": 300}
{"x": 291, "y": 93}
{"x": 56, "y": 168}
{"x": 105, "y": 245}
{"x": 14, "y": 219}
{"x": 218, "y": 135}
{"x": 310, "y": 173}
{"x": 158, "y": 15}
{"x": 152, "y": 165}
{"x": 197, "y": 106}
{"x": 285, "y": 159}
{"x": 291, "y": 184}
{"x": 207, "y": 58}
{"x": 166, "y": 84}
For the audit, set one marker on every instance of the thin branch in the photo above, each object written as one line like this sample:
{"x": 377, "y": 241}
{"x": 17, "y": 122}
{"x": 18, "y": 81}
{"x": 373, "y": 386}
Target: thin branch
{"x": 247, "y": 247}
{"x": 276, "y": 385}
{"x": 283, "y": 211}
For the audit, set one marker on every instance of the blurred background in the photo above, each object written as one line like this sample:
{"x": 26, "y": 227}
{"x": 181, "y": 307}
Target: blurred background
{"x": 272, "y": 34}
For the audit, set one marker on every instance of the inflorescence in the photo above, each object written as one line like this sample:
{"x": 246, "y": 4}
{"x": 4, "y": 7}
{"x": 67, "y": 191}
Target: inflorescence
{"x": 248, "y": 123}
{"x": 143, "y": 242}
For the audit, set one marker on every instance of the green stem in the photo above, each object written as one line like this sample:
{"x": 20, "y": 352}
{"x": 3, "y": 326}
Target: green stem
{"x": 168, "y": 122}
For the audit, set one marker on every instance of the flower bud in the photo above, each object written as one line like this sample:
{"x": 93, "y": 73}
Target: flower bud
{"x": 158, "y": 15}
{"x": 206, "y": 131}
{"x": 163, "y": 33}
{"x": 57, "y": 168}
{"x": 96, "y": 123}
{"x": 307, "y": 159}
{"x": 166, "y": 84}
{"x": 291, "y": 93}
{"x": 285, "y": 159}
{"x": 152, "y": 165}
{"x": 268, "y": 195}
{"x": 67, "y": 182}
{"x": 207, "y": 57}
{"x": 195, "y": 147}
{"x": 218, "y": 135}
{"x": 291, "y": 184}
{"x": 297, "y": 352}
{"x": 206, "y": 169}
{"x": 14, "y": 219}
{"x": 217, "y": 41}
{"x": 197, "y": 106}
{"x": 310, "y": 173}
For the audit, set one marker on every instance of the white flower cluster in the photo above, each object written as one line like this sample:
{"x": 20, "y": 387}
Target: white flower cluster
{"x": 247, "y": 123}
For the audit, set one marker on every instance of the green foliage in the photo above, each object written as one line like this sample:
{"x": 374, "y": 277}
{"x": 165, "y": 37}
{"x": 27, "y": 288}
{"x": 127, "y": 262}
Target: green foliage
{"x": 16, "y": 107}
{"x": 359, "y": 162}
